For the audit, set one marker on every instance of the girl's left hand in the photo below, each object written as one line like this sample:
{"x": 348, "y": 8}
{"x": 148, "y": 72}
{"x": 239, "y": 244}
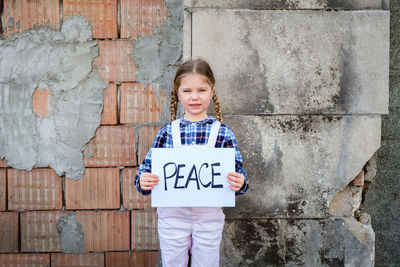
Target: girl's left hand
{"x": 236, "y": 180}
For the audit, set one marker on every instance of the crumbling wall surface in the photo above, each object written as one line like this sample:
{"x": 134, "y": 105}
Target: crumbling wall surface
{"x": 158, "y": 56}
{"x": 77, "y": 116}
{"x": 304, "y": 91}
{"x": 59, "y": 62}
{"x": 382, "y": 199}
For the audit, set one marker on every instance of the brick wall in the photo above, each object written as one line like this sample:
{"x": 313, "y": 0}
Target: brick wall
{"x": 118, "y": 223}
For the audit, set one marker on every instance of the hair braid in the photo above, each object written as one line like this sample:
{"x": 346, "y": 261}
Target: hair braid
{"x": 174, "y": 104}
{"x": 217, "y": 107}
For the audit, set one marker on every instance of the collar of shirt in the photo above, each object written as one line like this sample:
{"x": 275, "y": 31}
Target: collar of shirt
{"x": 207, "y": 120}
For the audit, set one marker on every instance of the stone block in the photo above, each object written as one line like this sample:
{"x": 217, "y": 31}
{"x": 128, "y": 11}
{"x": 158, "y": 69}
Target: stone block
{"x": 143, "y": 259}
{"x": 102, "y": 15}
{"x": 105, "y": 230}
{"x": 22, "y": 15}
{"x": 99, "y": 188}
{"x": 77, "y": 260}
{"x": 110, "y": 107}
{"x": 285, "y": 4}
{"x": 281, "y": 242}
{"x": 111, "y": 146}
{"x": 297, "y": 164}
{"x": 114, "y": 63}
{"x": 144, "y": 230}
{"x": 39, "y": 189}
{"x": 275, "y": 64}
{"x": 132, "y": 199}
{"x": 8, "y": 232}
{"x": 141, "y": 17}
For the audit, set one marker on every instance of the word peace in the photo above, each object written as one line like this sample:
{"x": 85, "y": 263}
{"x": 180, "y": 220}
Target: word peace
{"x": 205, "y": 176}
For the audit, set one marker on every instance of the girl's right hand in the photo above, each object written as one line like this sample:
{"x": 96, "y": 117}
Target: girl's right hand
{"x": 148, "y": 180}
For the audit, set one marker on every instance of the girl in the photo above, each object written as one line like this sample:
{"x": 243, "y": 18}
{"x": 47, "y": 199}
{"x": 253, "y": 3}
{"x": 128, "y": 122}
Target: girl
{"x": 197, "y": 230}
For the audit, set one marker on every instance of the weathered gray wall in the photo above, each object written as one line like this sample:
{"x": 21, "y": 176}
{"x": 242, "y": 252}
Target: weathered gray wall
{"x": 382, "y": 199}
{"x": 304, "y": 91}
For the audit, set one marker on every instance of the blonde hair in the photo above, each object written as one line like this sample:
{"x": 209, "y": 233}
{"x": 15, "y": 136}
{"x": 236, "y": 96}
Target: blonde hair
{"x": 198, "y": 66}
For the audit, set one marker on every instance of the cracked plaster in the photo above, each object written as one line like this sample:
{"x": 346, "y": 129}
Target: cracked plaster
{"x": 59, "y": 61}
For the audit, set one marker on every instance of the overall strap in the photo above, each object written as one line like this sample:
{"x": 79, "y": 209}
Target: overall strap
{"x": 176, "y": 133}
{"x": 212, "y": 138}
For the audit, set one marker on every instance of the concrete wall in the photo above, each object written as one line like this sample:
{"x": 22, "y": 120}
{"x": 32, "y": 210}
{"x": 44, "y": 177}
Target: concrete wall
{"x": 382, "y": 198}
{"x": 303, "y": 88}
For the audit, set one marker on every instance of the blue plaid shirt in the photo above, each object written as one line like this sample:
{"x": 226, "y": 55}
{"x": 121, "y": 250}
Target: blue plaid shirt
{"x": 194, "y": 133}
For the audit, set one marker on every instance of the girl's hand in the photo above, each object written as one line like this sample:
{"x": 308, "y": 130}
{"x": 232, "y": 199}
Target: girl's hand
{"x": 236, "y": 180}
{"x": 148, "y": 180}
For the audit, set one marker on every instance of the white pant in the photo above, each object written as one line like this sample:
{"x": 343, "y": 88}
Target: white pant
{"x": 198, "y": 230}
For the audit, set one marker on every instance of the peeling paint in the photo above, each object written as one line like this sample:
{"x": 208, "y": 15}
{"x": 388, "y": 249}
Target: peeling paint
{"x": 61, "y": 62}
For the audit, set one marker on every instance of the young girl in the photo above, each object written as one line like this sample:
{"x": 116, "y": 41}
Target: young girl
{"x": 184, "y": 229}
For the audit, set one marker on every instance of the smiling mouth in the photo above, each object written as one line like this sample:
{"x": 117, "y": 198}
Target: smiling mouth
{"x": 194, "y": 105}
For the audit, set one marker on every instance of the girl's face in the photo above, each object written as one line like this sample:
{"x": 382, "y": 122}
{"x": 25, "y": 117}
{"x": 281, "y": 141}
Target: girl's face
{"x": 195, "y": 95}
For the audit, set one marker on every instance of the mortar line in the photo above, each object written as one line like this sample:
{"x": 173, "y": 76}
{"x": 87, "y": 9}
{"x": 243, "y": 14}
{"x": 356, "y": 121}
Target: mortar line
{"x": 60, "y": 19}
{"x": 118, "y": 20}
{"x": 6, "y": 189}
{"x": 329, "y": 9}
{"x": 118, "y": 103}
{"x": 1, "y": 19}
{"x": 191, "y": 35}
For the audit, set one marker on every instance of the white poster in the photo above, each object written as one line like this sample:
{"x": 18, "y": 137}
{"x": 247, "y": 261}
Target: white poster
{"x": 193, "y": 176}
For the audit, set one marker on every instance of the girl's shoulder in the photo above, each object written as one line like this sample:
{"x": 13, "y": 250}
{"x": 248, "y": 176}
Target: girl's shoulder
{"x": 226, "y": 129}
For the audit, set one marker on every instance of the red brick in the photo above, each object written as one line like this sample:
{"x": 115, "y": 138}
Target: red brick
{"x": 8, "y": 231}
{"x": 105, "y": 230}
{"x": 144, "y": 230}
{"x": 23, "y": 260}
{"x": 114, "y": 63}
{"x": 139, "y": 17}
{"x": 40, "y": 100}
{"x": 37, "y": 189}
{"x": 39, "y": 231}
{"x": 3, "y": 163}
{"x": 102, "y": 15}
{"x": 111, "y": 146}
{"x": 3, "y": 185}
{"x": 77, "y": 260}
{"x": 132, "y": 199}
{"x": 146, "y": 138}
{"x": 140, "y": 104}
{"x": 26, "y": 14}
{"x": 359, "y": 180}
{"x": 134, "y": 259}
{"x": 110, "y": 110}
{"x": 99, "y": 188}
